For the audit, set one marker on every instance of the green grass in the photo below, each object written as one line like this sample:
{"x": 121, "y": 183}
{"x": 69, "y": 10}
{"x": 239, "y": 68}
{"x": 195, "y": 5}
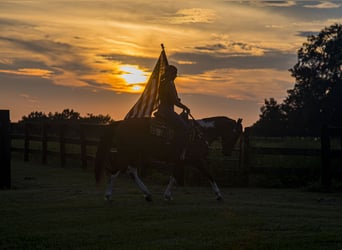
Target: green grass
{"x": 54, "y": 208}
{"x": 267, "y": 170}
{"x": 286, "y": 142}
{"x": 293, "y": 142}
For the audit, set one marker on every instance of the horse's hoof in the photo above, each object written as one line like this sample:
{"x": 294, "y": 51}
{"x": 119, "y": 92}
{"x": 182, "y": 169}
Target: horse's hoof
{"x": 168, "y": 197}
{"x": 148, "y": 198}
{"x": 108, "y": 198}
{"x": 219, "y": 198}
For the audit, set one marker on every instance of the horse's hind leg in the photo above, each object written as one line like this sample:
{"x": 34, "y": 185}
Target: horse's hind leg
{"x": 202, "y": 167}
{"x": 134, "y": 174}
{"x": 109, "y": 191}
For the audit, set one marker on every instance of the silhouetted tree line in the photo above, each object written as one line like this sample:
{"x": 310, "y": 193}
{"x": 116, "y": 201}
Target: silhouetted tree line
{"x": 316, "y": 98}
{"x": 67, "y": 115}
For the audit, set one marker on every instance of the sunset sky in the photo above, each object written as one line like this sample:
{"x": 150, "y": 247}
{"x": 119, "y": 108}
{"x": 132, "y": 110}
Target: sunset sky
{"x": 95, "y": 56}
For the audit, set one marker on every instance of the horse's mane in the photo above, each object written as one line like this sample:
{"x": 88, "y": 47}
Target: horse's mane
{"x": 218, "y": 118}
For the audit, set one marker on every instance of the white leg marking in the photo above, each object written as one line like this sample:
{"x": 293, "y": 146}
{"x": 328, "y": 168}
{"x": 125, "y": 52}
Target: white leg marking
{"x": 216, "y": 190}
{"x": 205, "y": 124}
{"x": 168, "y": 190}
{"x": 138, "y": 181}
{"x": 109, "y": 190}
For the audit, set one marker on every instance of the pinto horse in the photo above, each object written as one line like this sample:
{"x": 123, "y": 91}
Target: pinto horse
{"x": 131, "y": 143}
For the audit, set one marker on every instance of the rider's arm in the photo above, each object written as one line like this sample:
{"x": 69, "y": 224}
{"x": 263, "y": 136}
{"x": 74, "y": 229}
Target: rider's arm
{"x": 174, "y": 96}
{"x": 177, "y": 101}
{"x": 181, "y": 105}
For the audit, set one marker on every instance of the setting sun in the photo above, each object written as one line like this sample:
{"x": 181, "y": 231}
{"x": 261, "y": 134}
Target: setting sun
{"x": 231, "y": 55}
{"x": 136, "y": 88}
{"x": 133, "y": 75}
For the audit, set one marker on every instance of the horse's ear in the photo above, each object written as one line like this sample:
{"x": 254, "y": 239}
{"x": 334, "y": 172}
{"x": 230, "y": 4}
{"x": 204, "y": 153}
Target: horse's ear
{"x": 239, "y": 121}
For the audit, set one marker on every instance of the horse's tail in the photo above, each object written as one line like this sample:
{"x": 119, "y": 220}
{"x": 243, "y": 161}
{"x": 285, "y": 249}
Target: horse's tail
{"x": 103, "y": 151}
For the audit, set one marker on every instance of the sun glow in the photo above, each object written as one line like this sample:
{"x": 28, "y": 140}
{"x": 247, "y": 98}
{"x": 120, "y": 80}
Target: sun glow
{"x": 136, "y": 88}
{"x": 133, "y": 75}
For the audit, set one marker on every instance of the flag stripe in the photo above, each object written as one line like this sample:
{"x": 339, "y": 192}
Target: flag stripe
{"x": 149, "y": 99}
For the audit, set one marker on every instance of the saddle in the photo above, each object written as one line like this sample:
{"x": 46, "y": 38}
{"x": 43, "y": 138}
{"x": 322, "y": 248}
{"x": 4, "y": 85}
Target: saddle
{"x": 159, "y": 128}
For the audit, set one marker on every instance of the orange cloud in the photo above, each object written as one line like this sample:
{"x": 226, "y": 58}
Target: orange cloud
{"x": 29, "y": 72}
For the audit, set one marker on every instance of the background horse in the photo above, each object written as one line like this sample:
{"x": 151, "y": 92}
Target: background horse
{"x": 132, "y": 143}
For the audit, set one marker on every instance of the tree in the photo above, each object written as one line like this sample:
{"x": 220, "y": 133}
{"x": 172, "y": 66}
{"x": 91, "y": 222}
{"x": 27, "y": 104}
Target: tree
{"x": 67, "y": 115}
{"x": 98, "y": 119}
{"x": 272, "y": 118}
{"x": 316, "y": 98}
{"x": 35, "y": 116}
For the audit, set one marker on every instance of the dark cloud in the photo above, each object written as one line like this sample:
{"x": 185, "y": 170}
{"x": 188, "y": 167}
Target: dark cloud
{"x": 307, "y": 33}
{"x": 219, "y": 47}
{"x": 305, "y": 10}
{"x": 212, "y": 47}
{"x": 205, "y": 62}
{"x": 275, "y": 2}
{"x": 63, "y": 55}
{"x": 7, "y": 22}
{"x": 24, "y": 63}
{"x": 145, "y": 62}
{"x": 98, "y": 85}
{"x": 50, "y": 97}
{"x": 39, "y": 46}
{"x": 306, "y": 13}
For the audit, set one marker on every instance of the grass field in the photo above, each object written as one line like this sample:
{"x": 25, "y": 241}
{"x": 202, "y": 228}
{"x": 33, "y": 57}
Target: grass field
{"x": 54, "y": 208}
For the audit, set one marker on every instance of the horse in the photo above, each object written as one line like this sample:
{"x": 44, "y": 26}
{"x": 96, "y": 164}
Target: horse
{"x": 131, "y": 143}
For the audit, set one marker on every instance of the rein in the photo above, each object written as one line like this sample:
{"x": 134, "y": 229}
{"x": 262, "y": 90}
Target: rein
{"x": 198, "y": 129}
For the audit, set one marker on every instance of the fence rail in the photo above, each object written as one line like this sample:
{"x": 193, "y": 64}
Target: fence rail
{"x": 325, "y": 152}
{"x": 61, "y": 135}
{"x": 84, "y": 136}
{"x": 328, "y": 153}
{"x": 5, "y": 151}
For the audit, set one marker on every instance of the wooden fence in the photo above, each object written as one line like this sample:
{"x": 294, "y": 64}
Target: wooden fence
{"x": 325, "y": 152}
{"x": 50, "y": 141}
{"x": 328, "y": 153}
{"x": 58, "y": 136}
{"x": 5, "y": 153}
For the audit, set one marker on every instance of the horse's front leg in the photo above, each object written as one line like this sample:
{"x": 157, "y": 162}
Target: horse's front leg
{"x": 168, "y": 192}
{"x": 109, "y": 191}
{"x": 216, "y": 190}
{"x": 134, "y": 174}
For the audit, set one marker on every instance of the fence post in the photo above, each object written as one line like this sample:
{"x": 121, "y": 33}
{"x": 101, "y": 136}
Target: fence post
{"x": 5, "y": 150}
{"x": 27, "y": 142}
{"x": 83, "y": 147}
{"x": 44, "y": 143}
{"x": 326, "y": 161}
{"x": 246, "y": 152}
{"x": 62, "y": 128}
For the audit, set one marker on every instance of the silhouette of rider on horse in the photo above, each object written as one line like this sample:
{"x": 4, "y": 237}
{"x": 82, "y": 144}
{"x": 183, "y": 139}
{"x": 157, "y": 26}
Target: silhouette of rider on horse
{"x": 168, "y": 99}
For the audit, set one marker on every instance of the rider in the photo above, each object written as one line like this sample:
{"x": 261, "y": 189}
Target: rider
{"x": 168, "y": 99}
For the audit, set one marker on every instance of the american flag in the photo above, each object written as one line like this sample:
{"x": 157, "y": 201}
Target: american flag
{"x": 149, "y": 99}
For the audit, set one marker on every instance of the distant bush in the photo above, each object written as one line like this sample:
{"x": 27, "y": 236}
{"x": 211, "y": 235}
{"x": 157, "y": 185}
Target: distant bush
{"x": 67, "y": 115}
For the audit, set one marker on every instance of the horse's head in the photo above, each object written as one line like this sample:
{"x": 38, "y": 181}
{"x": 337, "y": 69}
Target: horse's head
{"x": 225, "y": 128}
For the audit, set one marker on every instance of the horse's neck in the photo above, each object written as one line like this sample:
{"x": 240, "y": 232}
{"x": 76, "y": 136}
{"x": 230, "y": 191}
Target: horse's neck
{"x": 215, "y": 127}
